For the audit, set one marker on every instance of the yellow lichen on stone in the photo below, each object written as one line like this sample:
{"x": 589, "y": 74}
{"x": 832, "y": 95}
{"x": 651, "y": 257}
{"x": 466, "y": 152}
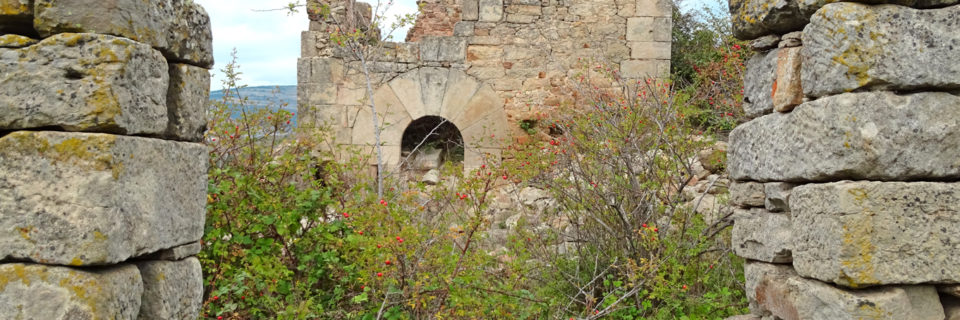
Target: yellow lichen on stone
{"x": 15, "y": 41}
{"x": 90, "y": 152}
{"x": 14, "y": 9}
{"x": 76, "y": 261}
{"x": 858, "y": 265}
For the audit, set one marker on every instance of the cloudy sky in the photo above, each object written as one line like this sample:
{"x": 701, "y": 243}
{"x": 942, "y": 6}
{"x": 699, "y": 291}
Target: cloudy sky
{"x": 267, "y": 42}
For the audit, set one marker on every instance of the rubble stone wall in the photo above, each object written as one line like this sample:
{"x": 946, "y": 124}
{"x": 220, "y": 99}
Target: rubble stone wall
{"x": 847, "y": 176}
{"x": 102, "y": 166}
{"x": 490, "y": 64}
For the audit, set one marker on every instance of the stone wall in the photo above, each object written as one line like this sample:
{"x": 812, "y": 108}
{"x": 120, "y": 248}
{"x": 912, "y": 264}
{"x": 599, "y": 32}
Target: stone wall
{"x": 847, "y": 175}
{"x": 102, "y": 173}
{"x": 485, "y": 65}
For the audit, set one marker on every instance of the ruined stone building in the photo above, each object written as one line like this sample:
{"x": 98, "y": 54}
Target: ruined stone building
{"x": 483, "y": 65}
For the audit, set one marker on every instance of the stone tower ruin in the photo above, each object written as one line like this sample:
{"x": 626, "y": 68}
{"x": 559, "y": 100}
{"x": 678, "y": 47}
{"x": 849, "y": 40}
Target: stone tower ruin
{"x": 102, "y": 176}
{"x": 847, "y": 176}
{"x": 483, "y": 65}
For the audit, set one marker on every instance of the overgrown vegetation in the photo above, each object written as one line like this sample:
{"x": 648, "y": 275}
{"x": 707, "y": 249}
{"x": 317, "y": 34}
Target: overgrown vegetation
{"x": 292, "y": 236}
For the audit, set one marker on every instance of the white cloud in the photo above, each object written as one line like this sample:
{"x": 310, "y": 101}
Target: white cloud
{"x": 267, "y": 42}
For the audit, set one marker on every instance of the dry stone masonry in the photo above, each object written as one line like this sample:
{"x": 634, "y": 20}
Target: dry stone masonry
{"x": 847, "y": 176}
{"x": 102, "y": 169}
{"x": 484, "y": 65}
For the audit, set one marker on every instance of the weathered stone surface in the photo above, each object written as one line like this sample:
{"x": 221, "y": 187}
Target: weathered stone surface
{"x": 809, "y": 7}
{"x": 889, "y": 48}
{"x": 755, "y": 18}
{"x": 787, "y": 89}
{"x": 790, "y": 40}
{"x": 29, "y": 291}
{"x": 470, "y": 10}
{"x": 16, "y": 16}
{"x": 778, "y": 196}
{"x": 648, "y": 29}
{"x": 94, "y": 199}
{"x": 187, "y": 98}
{"x": 758, "y": 83}
{"x": 747, "y": 194}
{"x": 870, "y": 135}
{"x": 778, "y": 291}
{"x": 171, "y": 289}
{"x": 16, "y": 41}
{"x": 175, "y": 253}
{"x": 178, "y": 28}
{"x": 491, "y": 10}
{"x": 84, "y": 82}
{"x": 762, "y": 235}
{"x": 860, "y": 234}
{"x": 765, "y": 43}
{"x": 432, "y": 177}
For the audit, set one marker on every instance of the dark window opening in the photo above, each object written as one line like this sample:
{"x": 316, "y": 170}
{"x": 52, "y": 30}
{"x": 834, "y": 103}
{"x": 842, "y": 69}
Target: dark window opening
{"x": 436, "y": 141}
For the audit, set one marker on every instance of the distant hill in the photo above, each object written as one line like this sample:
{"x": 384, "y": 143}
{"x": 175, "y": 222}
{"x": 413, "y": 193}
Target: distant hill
{"x": 266, "y": 96}
{"x": 284, "y": 97}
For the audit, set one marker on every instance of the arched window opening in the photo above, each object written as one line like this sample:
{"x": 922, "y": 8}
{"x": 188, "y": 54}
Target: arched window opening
{"x": 430, "y": 141}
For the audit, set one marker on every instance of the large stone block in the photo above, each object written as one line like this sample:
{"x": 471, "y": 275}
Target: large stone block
{"x": 470, "y": 10}
{"x": 756, "y": 18}
{"x": 809, "y": 7}
{"x": 94, "y": 199}
{"x": 187, "y": 98}
{"x": 758, "y": 83}
{"x": 84, "y": 82}
{"x": 888, "y": 48}
{"x": 860, "y": 234}
{"x": 490, "y": 10}
{"x": 171, "y": 289}
{"x": 787, "y": 89}
{"x": 870, "y": 136}
{"x": 747, "y": 194}
{"x": 29, "y": 291}
{"x": 762, "y": 235}
{"x": 778, "y": 291}
{"x": 178, "y": 28}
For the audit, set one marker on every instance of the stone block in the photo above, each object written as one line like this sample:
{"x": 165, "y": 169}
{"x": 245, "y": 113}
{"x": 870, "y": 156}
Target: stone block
{"x": 406, "y": 87}
{"x": 15, "y": 41}
{"x": 859, "y": 234}
{"x": 889, "y": 48}
{"x": 187, "y": 98}
{"x": 491, "y": 10}
{"x": 180, "y": 29}
{"x": 654, "y": 8}
{"x": 644, "y": 68}
{"x": 758, "y": 82}
{"x": 747, "y": 194}
{"x": 319, "y": 70}
{"x": 649, "y": 29}
{"x": 762, "y": 235}
{"x": 650, "y": 50}
{"x": 776, "y": 291}
{"x": 787, "y": 88}
{"x": 31, "y": 291}
{"x": 84, "y": 82}
{"x": 391, "y": 122}
{"x": 463, "y": 29}
{"x": 777, "y": 196}
{"x": 92, "y": 199}
{"x": 443, "y": 49}
{"x": 756, "y": 18}
{"x": 870, "y": 135}
{"x": 460, "y": 89}
{"x": 171, "y": 289}
{"x": 487, "y": 132}
{"x": 175, "y": 253}
{"x": 482, "y": 103}
{"x": 433, "y": 87}
{"x": 470, "y": 10}
{"x": 764, "y": 43}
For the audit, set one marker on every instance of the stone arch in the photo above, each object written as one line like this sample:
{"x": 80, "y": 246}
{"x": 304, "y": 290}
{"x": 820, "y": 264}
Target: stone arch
{"x": 470, "y": 105}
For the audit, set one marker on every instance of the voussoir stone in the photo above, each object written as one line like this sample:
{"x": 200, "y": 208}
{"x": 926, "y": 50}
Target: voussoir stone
{"x": 887, "y": 48}
{"x": 31, "y": 291}
{"x": 187, "y": 98}
{"x": 756, "y": 18}
{"x": 762, "y": 235}
{"x": 171, "y": 289}
{"x": 84, "y": 82}
{"x": 178, "y": 28}
{"x": 860, "y": 234}
{"x": 94, "y": 199}
{"x": 775, "y": 290}
{"x": 870, "y": 136}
